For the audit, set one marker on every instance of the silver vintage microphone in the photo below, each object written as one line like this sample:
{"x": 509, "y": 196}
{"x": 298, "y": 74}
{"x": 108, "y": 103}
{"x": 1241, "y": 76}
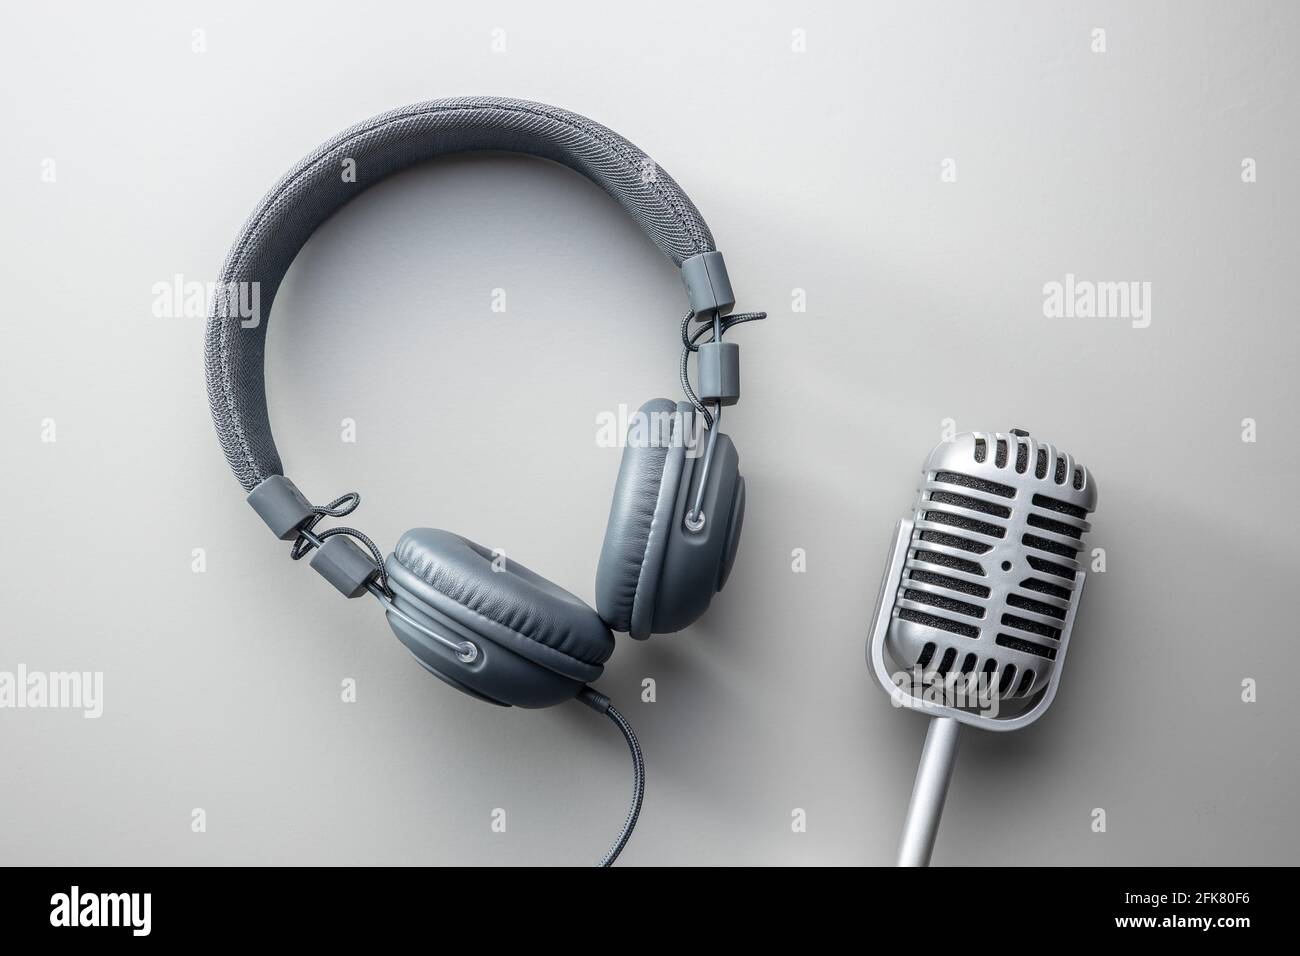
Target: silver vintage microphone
{"x": 978, "y": 600}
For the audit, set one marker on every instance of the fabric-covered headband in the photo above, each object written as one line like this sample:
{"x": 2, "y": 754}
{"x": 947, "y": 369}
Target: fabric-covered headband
{"x": 315, "y": 188}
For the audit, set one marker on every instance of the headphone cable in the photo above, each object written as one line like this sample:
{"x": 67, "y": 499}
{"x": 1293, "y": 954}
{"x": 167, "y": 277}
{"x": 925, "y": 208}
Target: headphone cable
{"x": 601, "y": 705}
{"x": 691, "y": 343}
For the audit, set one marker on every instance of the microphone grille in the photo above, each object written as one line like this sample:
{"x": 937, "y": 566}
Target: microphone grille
{"x": 991, "y": 575}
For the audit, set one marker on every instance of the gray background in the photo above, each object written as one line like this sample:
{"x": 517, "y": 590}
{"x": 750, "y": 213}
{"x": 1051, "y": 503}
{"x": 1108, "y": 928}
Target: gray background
{"x": 817, "y": 171}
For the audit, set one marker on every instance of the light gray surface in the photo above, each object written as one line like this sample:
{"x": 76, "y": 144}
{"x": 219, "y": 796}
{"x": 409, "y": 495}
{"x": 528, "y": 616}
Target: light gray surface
{"x": 925, "y": 302}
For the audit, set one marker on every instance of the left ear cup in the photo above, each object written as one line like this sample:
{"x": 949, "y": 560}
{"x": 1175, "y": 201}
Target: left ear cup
{"x": 538, "y": 644}
{"x": 641, "y": 517}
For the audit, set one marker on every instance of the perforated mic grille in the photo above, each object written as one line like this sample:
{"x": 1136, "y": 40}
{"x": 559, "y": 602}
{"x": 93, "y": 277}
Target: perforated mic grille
{"x": 993, "y": 567}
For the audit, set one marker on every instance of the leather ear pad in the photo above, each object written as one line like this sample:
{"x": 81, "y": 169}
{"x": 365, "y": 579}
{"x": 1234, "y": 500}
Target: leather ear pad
{"x": 513, "y": 606}
{"x": 641, "y": 516}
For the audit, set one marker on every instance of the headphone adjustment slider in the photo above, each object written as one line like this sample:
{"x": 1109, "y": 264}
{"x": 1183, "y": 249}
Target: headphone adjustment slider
{"x": 345, "y": 564}
{"x": 719, "y": 364}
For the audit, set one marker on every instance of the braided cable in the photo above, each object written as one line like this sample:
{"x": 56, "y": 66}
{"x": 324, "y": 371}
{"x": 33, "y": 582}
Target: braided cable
{"x": 691, "y": 343}
{"x": 638, "y": 787}
{"x": 340, "y": 507}
{"x": 600, "y": 703}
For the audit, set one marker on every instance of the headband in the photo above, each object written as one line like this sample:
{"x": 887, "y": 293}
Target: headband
{"x": 388, "y": 143}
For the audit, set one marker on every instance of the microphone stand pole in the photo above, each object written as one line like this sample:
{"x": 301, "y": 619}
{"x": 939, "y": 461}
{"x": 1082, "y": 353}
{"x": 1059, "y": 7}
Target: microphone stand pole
{"x": 929, "y": 792}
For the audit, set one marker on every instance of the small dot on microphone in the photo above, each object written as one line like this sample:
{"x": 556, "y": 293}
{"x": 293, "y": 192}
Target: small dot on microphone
{"x": 1006, "y": 565}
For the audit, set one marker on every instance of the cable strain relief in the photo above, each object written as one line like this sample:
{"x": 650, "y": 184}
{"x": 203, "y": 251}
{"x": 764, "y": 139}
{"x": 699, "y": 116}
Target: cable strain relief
{"x": 594, "y": 699}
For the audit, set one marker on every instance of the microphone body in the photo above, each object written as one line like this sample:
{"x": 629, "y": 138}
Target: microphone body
{"x": 979, "y": 598}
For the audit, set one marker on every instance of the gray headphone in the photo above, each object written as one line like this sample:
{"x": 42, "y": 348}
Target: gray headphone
{"x": 493, "y": 628}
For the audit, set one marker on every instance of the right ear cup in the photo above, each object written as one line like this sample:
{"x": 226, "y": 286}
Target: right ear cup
{"x": 537, "y": 643}
{"x": 656, "y": 575}
{"x": 700, "y": 554}
{"x": 641, "y": 518}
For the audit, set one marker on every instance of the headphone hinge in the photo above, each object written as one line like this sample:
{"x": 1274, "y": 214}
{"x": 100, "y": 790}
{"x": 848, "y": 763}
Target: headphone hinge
{"x": 708, "y": 286}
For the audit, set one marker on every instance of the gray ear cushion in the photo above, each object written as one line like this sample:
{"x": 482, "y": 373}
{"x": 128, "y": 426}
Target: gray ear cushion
{"x": 514, "y": 606}
{"x": 640, "y": 518}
